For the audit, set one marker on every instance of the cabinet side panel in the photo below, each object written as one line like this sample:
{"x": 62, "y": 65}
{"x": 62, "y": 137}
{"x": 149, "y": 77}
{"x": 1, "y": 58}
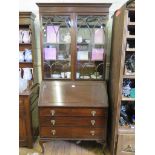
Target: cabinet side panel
{"x": 34, "y": 112}
{"x": 114, "y": 80}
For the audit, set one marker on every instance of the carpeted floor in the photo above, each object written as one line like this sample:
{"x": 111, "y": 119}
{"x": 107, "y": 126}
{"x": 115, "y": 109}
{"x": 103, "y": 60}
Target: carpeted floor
{"x": 65, "y": 148}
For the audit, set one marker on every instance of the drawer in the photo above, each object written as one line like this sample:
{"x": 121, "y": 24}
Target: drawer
{"x": 73, "y": 121}
{"x": 72, "y": 132}
{"x": 73, "y": 112}
{"x": 126, "y": 144}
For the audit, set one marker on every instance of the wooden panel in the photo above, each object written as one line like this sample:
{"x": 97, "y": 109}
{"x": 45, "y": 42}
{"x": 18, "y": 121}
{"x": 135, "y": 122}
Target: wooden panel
{"x": 28, "y": 117}
{"x": 73, "y": 121}
{"x": 73, "y": 94}
{"x": 22, "y": 125}
{"x": 24, "y": 21}
{"x": 72, "y": 112}
{"x": 126, "y": 144}
{"x": 69, "y": 132}
{"x": 119, "y": 39}
{"x": 34, "y": 111}
{"x": 45, "y": 8}
{"x": 25, "y": 18}
{"x": 25, "y": 65}
{"x": 22, "y": 47}
{"x": 21, "y": 101}
{"x": 116, "y": 71}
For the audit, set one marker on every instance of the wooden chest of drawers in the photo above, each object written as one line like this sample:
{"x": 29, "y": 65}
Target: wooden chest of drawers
{"x": 73, "y": 111}
{"x": 28, "y": 116}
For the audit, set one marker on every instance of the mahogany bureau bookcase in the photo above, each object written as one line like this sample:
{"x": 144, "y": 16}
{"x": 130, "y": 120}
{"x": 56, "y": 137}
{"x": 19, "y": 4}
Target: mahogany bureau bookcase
{"x": 73, "y": 101}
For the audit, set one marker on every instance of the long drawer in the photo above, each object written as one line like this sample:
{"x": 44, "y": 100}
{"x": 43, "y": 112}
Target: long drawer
{"x": 73, "y": 121}
{"x": 73, "y": 111}
{"x": 72, "y": 132}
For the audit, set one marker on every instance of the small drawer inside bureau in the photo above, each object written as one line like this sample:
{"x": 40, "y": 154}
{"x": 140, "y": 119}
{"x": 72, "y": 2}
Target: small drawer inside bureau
{"x": 73, "y": 112}
{"x": 72, "y": 132}
{"x": 73, "y": 121}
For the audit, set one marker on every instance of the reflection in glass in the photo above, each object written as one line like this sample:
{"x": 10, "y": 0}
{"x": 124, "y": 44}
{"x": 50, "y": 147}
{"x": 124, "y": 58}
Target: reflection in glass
{"x": 90, "y": 47}
{"x": 56, "y": 47}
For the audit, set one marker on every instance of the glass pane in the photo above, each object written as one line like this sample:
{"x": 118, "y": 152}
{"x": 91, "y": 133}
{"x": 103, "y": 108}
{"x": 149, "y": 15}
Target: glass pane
{"x": 56, "y": 47}
{"x": 90, "y": 47}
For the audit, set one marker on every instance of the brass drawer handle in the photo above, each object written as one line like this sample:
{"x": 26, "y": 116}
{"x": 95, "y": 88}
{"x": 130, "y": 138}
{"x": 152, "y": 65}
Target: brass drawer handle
{"x": 52, "y": 112}
{"x": 92, "y": 122}
{"x": 53, "y": 122}
{"x": 92, "y": 133}
{"x": 53, "y": 132}
{"x": 93, "y": 113}
{"x": 129, "y": 149}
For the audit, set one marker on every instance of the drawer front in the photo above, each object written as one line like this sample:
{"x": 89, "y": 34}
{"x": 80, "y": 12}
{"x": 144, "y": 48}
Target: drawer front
{"x": 126, "y": 144}
{"x": 73, "y": 112}
{"x": 71, "y": 132}
{"x": 73, "y": 121}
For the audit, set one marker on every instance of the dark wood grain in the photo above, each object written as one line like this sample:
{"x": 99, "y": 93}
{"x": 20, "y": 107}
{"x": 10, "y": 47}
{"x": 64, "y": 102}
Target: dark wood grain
{"x": 25, "y": 133}
{"x": 79, "y": 105}
{"x": 25, "y": 65}
{"x": 21, "y": 101}
{"x": 26, "y": 18}
{"x": 62, "y": 111}
{"x": 73, "y": 47}
{"x": 73, "y": 94}
{"x": 22, "y": 47}
{"x": 28, "y": 121}
{"x": 22, "y": 127}
{"x": 47, "y": 8}
{"x": 72, "y": 132}
{"x": 73, "y": 121}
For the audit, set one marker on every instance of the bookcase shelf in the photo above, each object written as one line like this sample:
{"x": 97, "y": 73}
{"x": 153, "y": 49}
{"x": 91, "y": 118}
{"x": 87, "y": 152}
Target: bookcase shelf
{"x": 129, "y": 76}
{"x": 126, "y": 130}
{"x": 127, "y": 98}
{"x": 130, "y": 49}
{"x": 25, "y": 65}
{"x": 131, "y": 23}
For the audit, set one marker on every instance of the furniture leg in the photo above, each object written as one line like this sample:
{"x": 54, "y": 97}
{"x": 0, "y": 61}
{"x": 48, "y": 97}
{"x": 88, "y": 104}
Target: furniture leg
{"x": 42, "y": 146}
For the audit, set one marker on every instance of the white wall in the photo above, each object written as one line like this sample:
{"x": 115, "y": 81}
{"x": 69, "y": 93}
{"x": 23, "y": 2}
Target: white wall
{"x": 30, "y": 5}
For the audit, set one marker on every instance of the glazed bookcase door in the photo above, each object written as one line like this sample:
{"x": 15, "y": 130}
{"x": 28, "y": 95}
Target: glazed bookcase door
{"x": 90, "y": 42}
{"x": 56, "y": 52}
